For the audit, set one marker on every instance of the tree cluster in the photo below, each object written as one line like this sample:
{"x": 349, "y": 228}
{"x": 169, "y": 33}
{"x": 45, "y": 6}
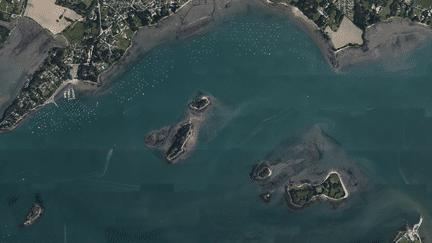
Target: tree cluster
{"x": 160, "y": 14}
{"x": 88, "y": 72}
{"x": 360, "y": 15}
{"x": 4, "y": 34}
{"x": 80, "y": 8}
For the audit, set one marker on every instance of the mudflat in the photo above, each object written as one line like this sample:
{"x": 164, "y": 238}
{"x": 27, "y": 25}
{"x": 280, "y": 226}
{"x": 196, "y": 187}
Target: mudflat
{"x": 20, "y": 56}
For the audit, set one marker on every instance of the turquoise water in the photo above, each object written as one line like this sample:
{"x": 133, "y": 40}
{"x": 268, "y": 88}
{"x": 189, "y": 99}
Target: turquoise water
{"x": 99, "y": 183}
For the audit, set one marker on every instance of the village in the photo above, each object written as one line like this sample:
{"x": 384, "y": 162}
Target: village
{"x": 344, "y": 21}
{"x": 96, "y": 34}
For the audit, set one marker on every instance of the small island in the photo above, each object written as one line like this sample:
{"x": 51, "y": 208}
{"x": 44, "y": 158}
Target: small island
{"x": 308, "y": 167}
{"x": 176, "y": 140}
{"x": 260, "y": 172}
{"x": 200, "y": 103}
{"x": 179, "y": 141}
{"x": 33, "y": 215}
{"x": 266, "y": 197}
{"x": 299, "y": 198}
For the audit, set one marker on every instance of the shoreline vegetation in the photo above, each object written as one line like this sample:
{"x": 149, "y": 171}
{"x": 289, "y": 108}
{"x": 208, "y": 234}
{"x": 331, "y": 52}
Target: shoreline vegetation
{"x": 112, "y": 35}
{"x": 331, "y": 190}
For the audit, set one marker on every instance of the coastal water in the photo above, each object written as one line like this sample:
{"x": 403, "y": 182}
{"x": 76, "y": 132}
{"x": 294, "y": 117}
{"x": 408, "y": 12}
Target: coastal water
{"x": 86, "y": 159}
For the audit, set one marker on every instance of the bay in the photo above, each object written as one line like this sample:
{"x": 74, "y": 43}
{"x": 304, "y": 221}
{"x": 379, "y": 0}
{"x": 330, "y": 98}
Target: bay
{"x": 99, "y": 183}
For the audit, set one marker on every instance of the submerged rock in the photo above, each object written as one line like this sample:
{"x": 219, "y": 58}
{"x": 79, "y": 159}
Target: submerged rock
{"x": 266, "y": 197}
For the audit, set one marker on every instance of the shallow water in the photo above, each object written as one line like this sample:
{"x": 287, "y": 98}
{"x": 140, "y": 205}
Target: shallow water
{"x": 99, "y": 183}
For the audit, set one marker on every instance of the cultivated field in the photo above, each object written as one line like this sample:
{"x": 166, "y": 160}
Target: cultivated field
{"x": 49, "y": 15}
{"x": 347, "y": 33}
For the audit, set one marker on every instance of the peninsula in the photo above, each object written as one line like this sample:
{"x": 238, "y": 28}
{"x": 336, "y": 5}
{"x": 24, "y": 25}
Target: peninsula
{"x": 33, "y": 215}
{"x": 176, "y": 140}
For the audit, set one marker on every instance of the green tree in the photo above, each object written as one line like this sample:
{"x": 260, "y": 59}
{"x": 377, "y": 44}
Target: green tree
{"x": 4, "y": 34}
{"x": 411, "y": 14}
{"x": 321, "y": 21}
{"x": 316, "y": 17}
{"x": 359, "y": 16}
{"x": 322, "y": 3}
{"x": 164, "y": 10}
{"x": 393, "y": 8}
{"x": 174, "y": 7}
{"x": 144, "y": 16}
{"x": 332, "y": 14}
{"x": 373, "y": 18}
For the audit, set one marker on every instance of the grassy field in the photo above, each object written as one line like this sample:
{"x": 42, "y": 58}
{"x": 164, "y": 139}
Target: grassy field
{"x": 121, "y": 42}
{"x": 74, "y": 34}
{"x": 10, "y": 6}
{"x": 47, "y": 14}
{"x": 87, "y": 2}
{"x": 385, "y": 10}
{"x": 3, "y": 5}
{"x": 129, "y": 33}
{"x": 424, "y": 3}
